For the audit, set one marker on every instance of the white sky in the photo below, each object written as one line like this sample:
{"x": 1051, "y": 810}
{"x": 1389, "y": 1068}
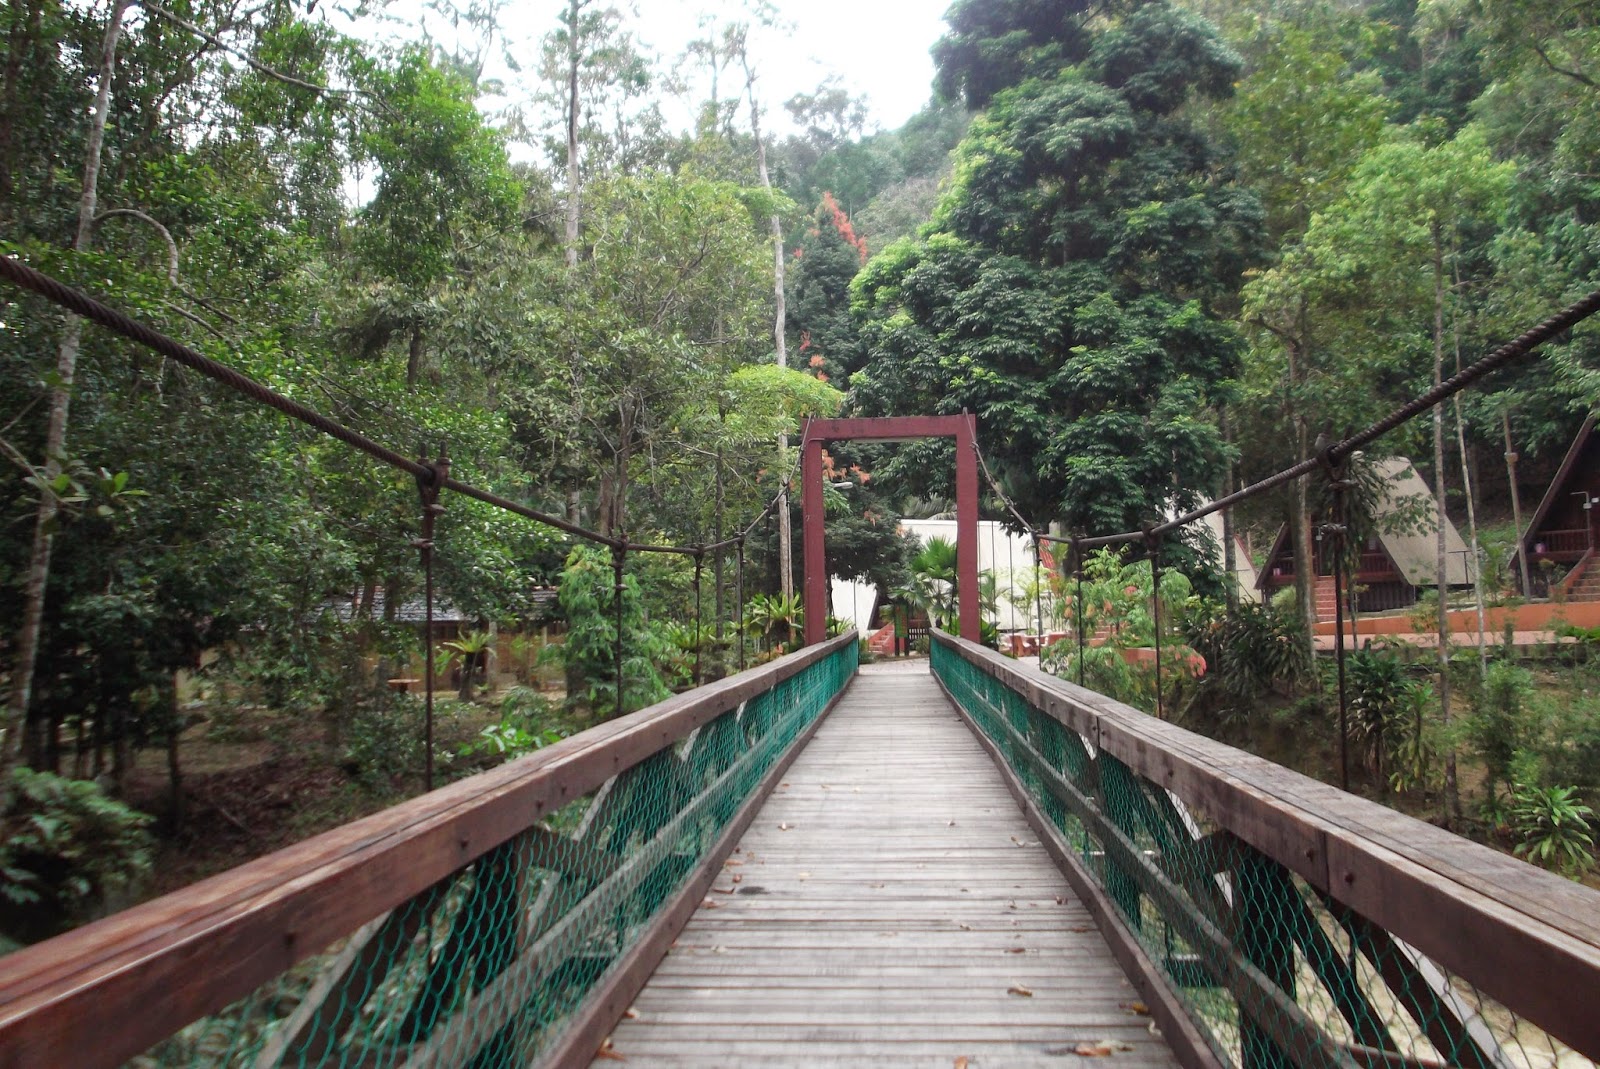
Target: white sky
{"x": 877, "y": 48}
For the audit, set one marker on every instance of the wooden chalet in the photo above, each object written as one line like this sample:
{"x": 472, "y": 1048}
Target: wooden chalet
{"x": 1393, "y": 568}
{"x": 1560, "y": 540}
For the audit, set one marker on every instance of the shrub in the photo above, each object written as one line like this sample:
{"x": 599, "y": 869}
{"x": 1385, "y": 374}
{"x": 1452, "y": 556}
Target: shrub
{"x": 524, "y": 727}
{"x": 68, "y": 853}
{"x": 1553, "y": 829}
{"x": 1499, "y": 725}
{"x": 384, "y": 741}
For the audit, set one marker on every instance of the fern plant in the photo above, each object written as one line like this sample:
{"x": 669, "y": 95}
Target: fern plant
{"x": 67, "y": 852}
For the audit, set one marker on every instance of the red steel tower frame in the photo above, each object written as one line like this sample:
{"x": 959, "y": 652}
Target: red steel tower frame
{"x": 814, "y": 432}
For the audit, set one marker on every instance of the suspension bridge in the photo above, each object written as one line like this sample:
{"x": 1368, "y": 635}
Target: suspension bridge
{"x": 960, "y": 862}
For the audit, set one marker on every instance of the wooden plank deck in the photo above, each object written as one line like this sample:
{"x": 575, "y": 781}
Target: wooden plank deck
{"x": 889, "y": 907}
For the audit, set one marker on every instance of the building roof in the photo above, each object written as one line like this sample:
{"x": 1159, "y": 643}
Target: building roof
{"x": 1557, "y": 485}
{"x": 1414, "y": 551}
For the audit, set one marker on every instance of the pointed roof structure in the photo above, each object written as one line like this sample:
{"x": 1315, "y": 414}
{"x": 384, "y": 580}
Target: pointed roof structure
{"x": 1414, "y": 551}
{"x": 1572, "y": 465}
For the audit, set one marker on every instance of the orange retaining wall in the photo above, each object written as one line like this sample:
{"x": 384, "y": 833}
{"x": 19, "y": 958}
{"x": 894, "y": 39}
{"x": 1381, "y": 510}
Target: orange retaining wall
{"x": 1538, "y": 616}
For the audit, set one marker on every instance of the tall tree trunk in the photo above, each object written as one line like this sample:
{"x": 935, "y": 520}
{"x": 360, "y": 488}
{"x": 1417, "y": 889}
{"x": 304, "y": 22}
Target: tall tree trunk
{"x": 174, "y": 769}
{"x": 716, "y": 530}
{"x": 1516, "y": 505}
{"x": 1230, "y": 565}
{"x": 780, "y": 332}
{"x": 1452, "y": 795}
{"x": 414, "y": 357}
{"x": 1467, "y": 484}
{"x": 1305, "y": 579}
{"x": 38, "y": 573}
{"x": 574, "y": 55}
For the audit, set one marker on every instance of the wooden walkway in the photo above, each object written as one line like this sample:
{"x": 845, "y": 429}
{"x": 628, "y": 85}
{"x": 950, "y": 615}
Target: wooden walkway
{"x": 889, "y": 907}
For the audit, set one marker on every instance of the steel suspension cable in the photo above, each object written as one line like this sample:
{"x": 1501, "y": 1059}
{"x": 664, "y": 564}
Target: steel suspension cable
{"x": 13, "y": 270}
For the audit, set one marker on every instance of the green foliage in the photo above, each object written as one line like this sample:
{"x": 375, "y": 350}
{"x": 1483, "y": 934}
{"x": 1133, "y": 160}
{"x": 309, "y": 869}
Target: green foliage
{"x": 1501, "y": 725}
{"x": 994, "y": 45}
{"x": 1070, "y": 288}
{"x": 1386, "y": 722}
{"x": 932, "y": 585}
{"x": 588, "y": 600}
{"x": 67, "y": 853}
{"x": 771, "y": 617}
{"x": 384, "y": 743}
{"x": 524, "y": 726}
{"x": 1116, "y": 618}
{"x": 1251, "y": 652}
{"x": 1552, "y": 828}
{"x": 471, "y": 653}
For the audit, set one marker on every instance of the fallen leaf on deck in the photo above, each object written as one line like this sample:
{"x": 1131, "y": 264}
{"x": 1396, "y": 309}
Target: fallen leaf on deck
{"x": 964, "y": 927}
{"x": 606, "y": 1051}
{"x": 737, "y": 877}
{"x": 961, "y": 1062}
{"x": 1137, "y": 1007}
{"x": 805, "y": 875}
{"x": 632, "y": 1014}
{"x": 1016, "y": 950}
{"x": 732, "y": 862}
{"x": 1018, "y": 989}
{"x": 950, "y": 824}
{"x": 1102, "y": 1048}
{"x": 1080, "y": 929}
{"x": 722, "y": 890}
{"x": 783, "y": 827}
{"x": 1018, "y": 841}
{"x": 709, "y": 904}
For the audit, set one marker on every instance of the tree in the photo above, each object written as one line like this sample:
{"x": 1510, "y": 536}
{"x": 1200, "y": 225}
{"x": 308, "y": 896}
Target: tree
{"x": 622, "y": 343}
{"x": 443, "y": 174}
{"x": 1392, "y": 252}
{"x": 819, "y": 286}
{"x": 1069, "y": 291}
{"x": 38, "y": 572}
{"x": 996, "y": 44}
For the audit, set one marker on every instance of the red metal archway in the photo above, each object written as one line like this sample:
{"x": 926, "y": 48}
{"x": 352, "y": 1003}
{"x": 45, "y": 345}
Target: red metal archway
{"x": 814, "y": 432}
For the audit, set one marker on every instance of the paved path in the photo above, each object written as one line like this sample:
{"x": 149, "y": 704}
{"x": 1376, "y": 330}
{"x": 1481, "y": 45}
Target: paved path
{"x": 889, "y": 907}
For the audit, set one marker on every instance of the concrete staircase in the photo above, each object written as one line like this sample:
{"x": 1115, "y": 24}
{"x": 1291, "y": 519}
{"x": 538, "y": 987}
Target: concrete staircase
{"x": 1587, "y": 585}
{"x": 881, "y": 641}
{"x": 1327, "y": 598}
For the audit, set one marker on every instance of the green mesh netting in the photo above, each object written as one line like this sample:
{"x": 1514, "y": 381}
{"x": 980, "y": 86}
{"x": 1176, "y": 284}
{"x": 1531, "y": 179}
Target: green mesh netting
{"x": 483, "y": 969}
{"x": 1275, "y": 973}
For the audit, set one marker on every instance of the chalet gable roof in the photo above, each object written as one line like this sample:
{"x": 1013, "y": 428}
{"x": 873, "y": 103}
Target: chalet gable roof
{"x": 1415, "y": 551}
{"x": 1557, "y": 485}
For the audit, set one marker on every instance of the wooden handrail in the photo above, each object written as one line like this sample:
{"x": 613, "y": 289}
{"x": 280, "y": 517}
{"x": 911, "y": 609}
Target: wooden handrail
{"x": 146, "y": 972}
{"x": 1526, "y": 937}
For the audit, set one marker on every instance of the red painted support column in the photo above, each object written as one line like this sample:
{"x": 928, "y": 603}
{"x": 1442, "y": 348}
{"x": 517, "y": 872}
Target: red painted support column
{"x": 969, "y": 609}
{"x": 815, "y": 560}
